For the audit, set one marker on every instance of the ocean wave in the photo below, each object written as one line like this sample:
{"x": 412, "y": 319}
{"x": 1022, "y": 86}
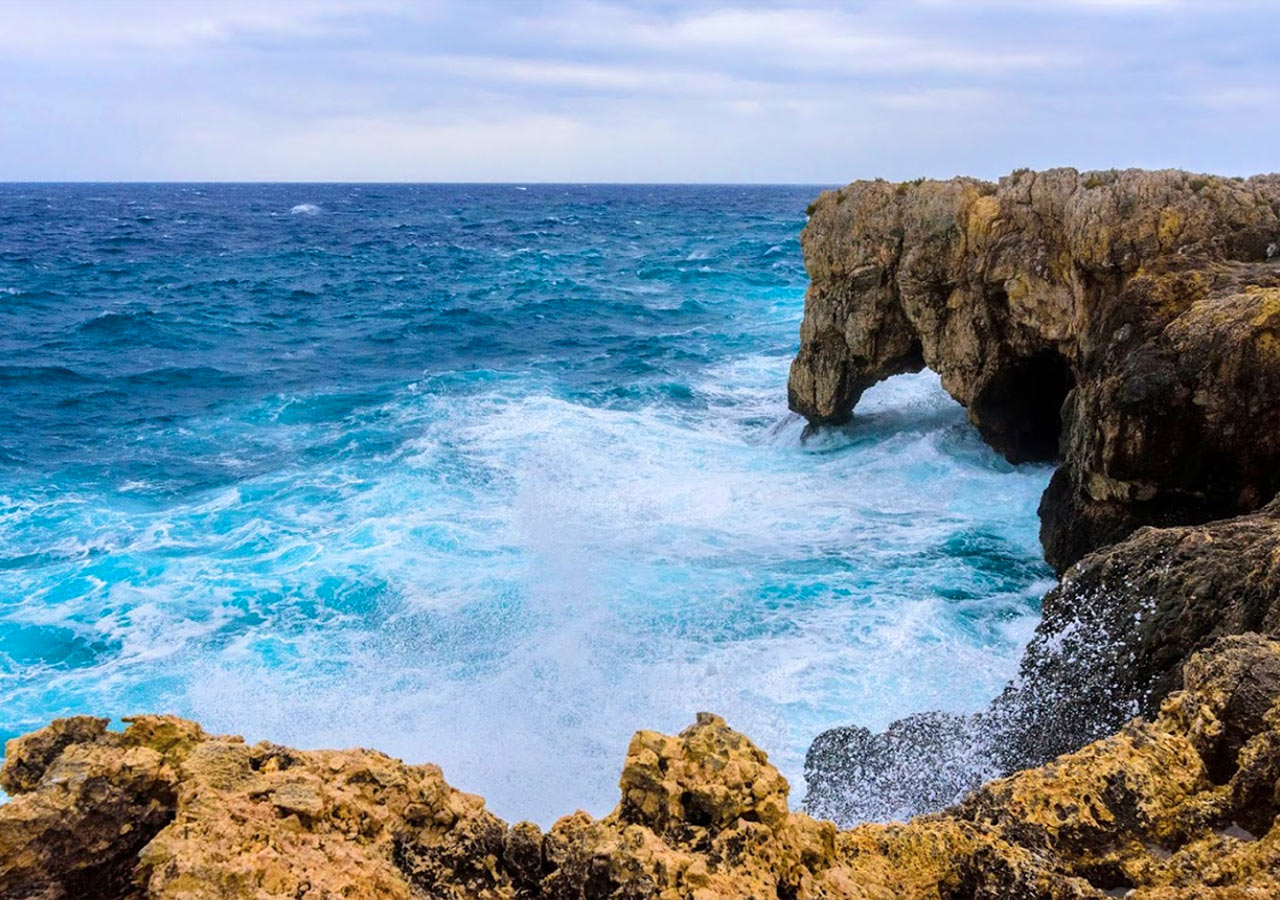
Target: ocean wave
{"x": 42, "y": 374}
{"x": 305, "y": 209}
{"x": 134, "y": 323}
{"x": 430, "y": 478}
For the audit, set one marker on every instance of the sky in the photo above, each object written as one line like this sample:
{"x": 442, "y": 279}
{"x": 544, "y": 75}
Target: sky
{"x": 471, "y": 90}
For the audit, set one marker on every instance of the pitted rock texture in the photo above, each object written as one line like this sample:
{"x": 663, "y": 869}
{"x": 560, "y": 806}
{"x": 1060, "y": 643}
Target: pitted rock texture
{"x": 1111, "y": 645}
{"x": 1180, "y": 807}
{"x": 1117, "y": 630}
{"x": 1126, "y": 322}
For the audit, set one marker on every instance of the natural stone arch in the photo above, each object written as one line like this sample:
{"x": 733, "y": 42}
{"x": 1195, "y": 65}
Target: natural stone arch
{"x": 1138, "y": 312}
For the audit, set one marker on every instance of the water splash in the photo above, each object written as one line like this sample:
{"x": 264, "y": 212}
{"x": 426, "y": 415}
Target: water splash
{"x": 490, "y": 509}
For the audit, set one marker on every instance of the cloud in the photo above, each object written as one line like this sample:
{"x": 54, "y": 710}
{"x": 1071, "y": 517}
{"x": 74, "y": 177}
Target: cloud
{"x": 801, "y": 38}
{"x": 540, "y": 73}
{"x": 62, "y": 29}
{"x": 746, "y": 90}
{"x": 1241, "y": 99}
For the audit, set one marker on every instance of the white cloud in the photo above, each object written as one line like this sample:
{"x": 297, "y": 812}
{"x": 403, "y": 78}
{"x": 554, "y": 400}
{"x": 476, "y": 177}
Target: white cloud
{"x": 1243, "y": 99}
{"x": 934, "y": 99}
{"x": 469, "y": 89}
{"x": 571, "y": 74}
{"x": 61, "y": 28}
{"x": 801, "y": 38}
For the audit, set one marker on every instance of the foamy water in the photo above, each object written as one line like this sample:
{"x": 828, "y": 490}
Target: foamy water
{"x": 475, "y": 476}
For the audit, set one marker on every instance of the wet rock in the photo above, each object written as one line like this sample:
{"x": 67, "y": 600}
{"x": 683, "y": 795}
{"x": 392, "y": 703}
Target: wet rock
{"x": 1118, "y": 630}
{"x": 921, "y": 763}
{"x": 1113, "y": 643}
{"x": 1127, "y": 323}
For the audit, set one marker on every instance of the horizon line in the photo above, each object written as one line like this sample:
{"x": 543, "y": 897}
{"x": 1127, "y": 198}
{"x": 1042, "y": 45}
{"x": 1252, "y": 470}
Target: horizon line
{"x": 420, "y": 183}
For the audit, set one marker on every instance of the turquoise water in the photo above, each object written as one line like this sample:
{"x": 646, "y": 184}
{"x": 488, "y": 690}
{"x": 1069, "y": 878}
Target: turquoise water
{"x": 489, "y": 476}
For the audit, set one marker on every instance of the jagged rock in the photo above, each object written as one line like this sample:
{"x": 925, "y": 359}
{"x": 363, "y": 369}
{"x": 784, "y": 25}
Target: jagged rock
{"x": 921, "y": 763}
{"x": 1116, "y": 632}
{"x": 1165, "y": 808}
{"x": 1126, "y": 321}
{"x": 1181, "y": 807}
{"x": 87, "y": 802}
{"x": 1111, "y": 645}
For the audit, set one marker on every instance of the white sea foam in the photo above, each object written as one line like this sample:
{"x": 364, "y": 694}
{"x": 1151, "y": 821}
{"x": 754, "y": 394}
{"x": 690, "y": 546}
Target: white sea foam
{"x": 517, "y": 589}
{"x": 305, "y": 209}
{"x": 617, "y": 563}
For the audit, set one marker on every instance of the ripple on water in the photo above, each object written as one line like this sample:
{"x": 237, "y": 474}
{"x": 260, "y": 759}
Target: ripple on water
{"x": 485, "y": 477}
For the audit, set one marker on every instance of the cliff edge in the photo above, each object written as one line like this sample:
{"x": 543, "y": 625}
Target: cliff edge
{"x": 1125, "y": 322}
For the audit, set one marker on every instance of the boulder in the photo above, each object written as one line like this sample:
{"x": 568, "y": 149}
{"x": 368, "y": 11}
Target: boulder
{"x": 1180, "y": 806}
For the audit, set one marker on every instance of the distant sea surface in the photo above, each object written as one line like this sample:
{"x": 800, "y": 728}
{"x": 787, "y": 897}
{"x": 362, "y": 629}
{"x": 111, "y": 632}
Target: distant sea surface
{"x": 489, "y": 476}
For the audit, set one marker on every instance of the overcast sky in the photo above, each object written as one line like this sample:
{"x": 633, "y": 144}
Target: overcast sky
{"x": 466, "y": 90}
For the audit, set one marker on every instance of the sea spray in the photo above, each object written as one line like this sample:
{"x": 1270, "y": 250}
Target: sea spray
{"x": 483, "y": 477}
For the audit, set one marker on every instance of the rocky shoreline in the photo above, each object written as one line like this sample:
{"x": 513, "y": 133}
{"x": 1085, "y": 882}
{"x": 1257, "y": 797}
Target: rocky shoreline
{"x": 1125, "y": 323}
{"x": 1180, "y": 806}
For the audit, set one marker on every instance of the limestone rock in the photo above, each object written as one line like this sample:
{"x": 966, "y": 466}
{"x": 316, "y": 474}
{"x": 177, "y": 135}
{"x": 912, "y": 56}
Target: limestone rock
{"x": 1126, "y": 322}
{"x": 1180, "y": 807}
{"x": 87, "y": 801}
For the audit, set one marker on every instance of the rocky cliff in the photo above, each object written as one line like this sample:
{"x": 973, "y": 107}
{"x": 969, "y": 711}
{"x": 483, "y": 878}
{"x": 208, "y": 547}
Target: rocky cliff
{"x": 1127, "y": 323}
{"x": 1112, "y": 643}
{"x": 1118, "y": 629}
{"x": 1182, "y": 806}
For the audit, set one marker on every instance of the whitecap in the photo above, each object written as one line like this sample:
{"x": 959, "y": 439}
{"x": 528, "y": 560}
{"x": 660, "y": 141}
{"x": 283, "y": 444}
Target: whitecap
{"x": 305, "y": 209}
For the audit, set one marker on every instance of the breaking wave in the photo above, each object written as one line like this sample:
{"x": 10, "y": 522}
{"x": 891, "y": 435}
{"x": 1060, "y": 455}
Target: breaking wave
{"x": 490, "y": 509}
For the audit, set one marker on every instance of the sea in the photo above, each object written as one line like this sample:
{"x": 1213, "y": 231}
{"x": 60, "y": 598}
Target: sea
{"x": 489, "y": 476}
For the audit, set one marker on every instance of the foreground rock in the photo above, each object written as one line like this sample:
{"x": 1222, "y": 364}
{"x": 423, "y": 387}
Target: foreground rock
{"x": 1117, "y": 631}
{"x": 1180, "y": 807}
{"x": 1111, "y": 645}
{"x": 1126, "y": 321}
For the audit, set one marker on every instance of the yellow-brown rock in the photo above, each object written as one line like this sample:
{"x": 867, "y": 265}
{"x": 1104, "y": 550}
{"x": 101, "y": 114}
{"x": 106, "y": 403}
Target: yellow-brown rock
{"x": 1124, "y": 322}
{"x": 1178, "y": 808}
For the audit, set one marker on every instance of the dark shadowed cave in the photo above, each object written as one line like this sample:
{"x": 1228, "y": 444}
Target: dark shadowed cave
{"x": 1021, "y": 409}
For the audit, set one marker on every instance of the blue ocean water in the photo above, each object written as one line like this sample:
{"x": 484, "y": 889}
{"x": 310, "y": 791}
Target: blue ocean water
{"x": 489, "y": 476}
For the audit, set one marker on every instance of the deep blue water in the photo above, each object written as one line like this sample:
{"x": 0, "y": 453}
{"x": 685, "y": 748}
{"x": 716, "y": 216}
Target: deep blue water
{"x": 484, "y": 475}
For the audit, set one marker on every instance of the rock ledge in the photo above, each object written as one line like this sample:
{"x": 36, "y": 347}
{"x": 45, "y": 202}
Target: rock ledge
{"x": 1182, "y": 806}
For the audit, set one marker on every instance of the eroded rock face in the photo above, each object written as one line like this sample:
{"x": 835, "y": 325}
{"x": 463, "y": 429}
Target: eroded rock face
{"x": 1183, "y": 806}
{"x": 1126, "y": 321}
{"x": 1117, "y": 630}
{"x": 1112, "y": 644}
